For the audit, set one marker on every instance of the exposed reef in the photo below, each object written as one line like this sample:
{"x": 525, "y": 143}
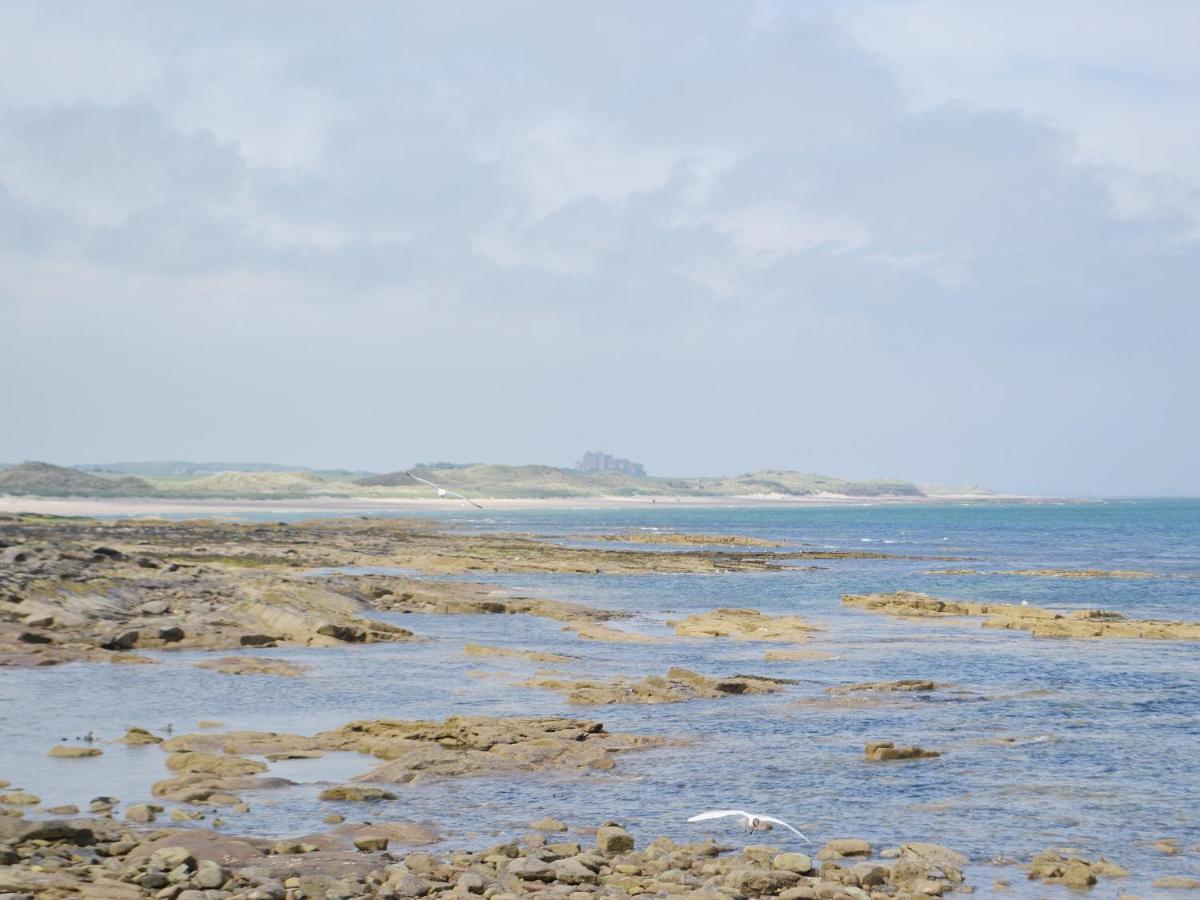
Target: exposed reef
{"x": 1039, "y": 622}
{"x": 1126, "y": 574}
{"x": 677, "y": 686}
{"x": 744, "y": 625}
{"x": 458, "y": 747}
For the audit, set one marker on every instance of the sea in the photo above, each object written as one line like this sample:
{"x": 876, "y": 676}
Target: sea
{"x": 1088, "y": 745}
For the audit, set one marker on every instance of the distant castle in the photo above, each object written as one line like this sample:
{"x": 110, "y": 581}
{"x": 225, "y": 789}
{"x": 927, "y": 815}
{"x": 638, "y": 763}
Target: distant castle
{"x": 599, "y": 461}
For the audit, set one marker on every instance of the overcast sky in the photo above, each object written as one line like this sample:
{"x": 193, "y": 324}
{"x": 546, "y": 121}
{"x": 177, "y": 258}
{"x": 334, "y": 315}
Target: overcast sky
{"x": 918, "y": 238}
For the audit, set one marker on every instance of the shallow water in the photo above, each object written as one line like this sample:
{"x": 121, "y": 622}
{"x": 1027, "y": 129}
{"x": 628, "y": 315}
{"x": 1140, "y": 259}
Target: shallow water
{"x": 1108, "y": 758}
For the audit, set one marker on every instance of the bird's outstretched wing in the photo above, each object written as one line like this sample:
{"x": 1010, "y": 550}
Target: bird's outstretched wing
{"x": 775, "y": 821}
{"x": 442, "y": 490}
{"x": 719, "y": 814}
{"x": 468, "y": 499}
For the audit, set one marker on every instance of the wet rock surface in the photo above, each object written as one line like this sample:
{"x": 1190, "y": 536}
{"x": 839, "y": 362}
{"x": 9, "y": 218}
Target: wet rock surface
{"x": 481, "y": 650}
{"x": 677, "y": 686}
{"x": 883, "y": 751}
{"x": 1066, "y": 867}
{"x": 460, "y": 746}
{"x": 81, "y": 589}
{"x": 744, "y": 625}
{"x": 253, "y": 665}
{"x": 1039, "y": 622}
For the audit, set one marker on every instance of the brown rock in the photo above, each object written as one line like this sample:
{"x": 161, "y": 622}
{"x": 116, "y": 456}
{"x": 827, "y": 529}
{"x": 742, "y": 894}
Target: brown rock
{"x": 1177, "y": 882}
{"x": 135, "y": 736}
{"x": 253, "y": 665}
{"x": 356, "y": 793}
{"x": 836, "y": 849}
{"x": 143, "y": 812}
{"x": 612, "y": 839}
{"x": 371, "y": 843}
{"x": 70, "y": 751}
{"x": 761, "y": 882}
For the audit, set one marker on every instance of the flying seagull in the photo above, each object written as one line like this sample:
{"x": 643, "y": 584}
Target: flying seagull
{"x": 441, "y": 491}
{"x": 752, "y": 821}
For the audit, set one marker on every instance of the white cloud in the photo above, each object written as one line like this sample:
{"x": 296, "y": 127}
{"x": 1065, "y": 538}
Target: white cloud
{"x": 610, "y": 219}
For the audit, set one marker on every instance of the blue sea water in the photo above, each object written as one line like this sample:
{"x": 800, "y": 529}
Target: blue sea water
{"x": 1106, "y": 756}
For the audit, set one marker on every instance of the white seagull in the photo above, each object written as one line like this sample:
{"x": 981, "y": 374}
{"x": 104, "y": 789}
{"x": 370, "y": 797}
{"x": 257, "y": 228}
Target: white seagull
{"x": 441, "y": 491}
{"x": 752, "y": 821}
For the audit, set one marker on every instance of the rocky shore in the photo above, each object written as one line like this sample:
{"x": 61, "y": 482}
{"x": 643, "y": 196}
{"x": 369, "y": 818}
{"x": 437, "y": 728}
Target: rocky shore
{"x": 80, "y": 590}
{"x": 109, "y": 860}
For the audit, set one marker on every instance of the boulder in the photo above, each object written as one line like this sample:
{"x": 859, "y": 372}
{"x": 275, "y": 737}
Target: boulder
{"x": 210, "y": 875}
{"x": 370, "y": 843}
{"x": 136, "y": 736}
{"x": 471, "y": 883}
{"x": 143, "y": 812}
{"x": 170, "y": 857}
{"x": 125, "y": 640}
{"x": 760, "y": 882}
{"x": 799, "y": 863}
{"x": 612, "y": 839}
{"x": 22, "y": 831}
{"x": 934, "y": 859}
{"x": 842, "y": 847}
{"x": 572, "y": 871}
{"x": 527, "y": 868}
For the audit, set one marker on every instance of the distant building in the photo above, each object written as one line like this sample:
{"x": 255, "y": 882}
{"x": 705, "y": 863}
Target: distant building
{"x": 599, "y": 461}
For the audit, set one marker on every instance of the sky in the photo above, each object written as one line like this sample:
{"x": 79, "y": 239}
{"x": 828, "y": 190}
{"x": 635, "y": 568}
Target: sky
{"x": 925, "y": 239}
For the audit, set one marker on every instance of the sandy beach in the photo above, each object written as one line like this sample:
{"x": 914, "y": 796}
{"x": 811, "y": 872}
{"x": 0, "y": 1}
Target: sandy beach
{"x": 138, "y": 506}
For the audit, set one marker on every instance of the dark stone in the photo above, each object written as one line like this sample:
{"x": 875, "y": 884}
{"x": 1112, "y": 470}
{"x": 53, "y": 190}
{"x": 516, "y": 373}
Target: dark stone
{"x": 123, "y": 641}
{"x": 350, "y": 633}
{"x": 22, "y": 831}
{"x": 32, "y": 637}
{"x": 109, "y": 552}
{"x": 170, "y": 634}
{"x": 257, "y": 640}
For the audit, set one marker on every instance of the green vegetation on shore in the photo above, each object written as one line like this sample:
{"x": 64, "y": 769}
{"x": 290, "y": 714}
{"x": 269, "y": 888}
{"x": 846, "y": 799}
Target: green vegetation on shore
{"x": 268, "y": 481}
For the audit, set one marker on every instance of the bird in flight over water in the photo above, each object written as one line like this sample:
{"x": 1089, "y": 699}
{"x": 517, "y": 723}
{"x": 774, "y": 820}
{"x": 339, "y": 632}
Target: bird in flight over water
{"x": 441, "y": 491}
{"x": 751, "y": 821}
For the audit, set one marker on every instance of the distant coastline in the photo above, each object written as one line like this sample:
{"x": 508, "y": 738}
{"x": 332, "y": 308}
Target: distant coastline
{"x": 617, "y": 481}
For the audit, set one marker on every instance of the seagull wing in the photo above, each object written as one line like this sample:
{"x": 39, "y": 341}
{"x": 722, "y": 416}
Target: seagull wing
{"x": 468, "y": 499}
{"x": 784, "y": 824}
{"x": 442, "y": 490}
{"x": 719, "y": 814}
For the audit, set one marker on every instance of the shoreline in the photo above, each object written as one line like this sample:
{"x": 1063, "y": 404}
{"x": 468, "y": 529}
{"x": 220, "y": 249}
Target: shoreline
{"x": 149, "y": 506}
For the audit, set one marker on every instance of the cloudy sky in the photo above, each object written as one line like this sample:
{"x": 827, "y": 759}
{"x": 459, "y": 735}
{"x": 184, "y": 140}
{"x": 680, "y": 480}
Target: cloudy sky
{"x": 917, "y": 238}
